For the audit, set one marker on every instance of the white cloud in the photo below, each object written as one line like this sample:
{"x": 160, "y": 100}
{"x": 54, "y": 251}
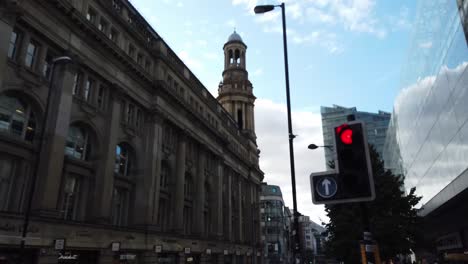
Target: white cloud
{"x": 211, "y": 55}
{"x": 272, "y": 133}
{"x": 249, "y": 4}
{"x": 270, "y": 17}
{"x": 425, "y": 45}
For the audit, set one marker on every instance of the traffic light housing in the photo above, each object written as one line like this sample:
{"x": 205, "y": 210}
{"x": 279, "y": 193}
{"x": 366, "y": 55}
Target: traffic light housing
{"x": 352, "y": 180}
{"x": 353, "y": 162}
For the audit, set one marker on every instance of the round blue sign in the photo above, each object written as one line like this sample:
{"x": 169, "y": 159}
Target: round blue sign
{"x": 326, "y": 187}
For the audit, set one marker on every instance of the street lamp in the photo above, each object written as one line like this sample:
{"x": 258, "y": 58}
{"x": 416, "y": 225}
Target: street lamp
{"x": 27, "y": 214}
{"x": 259, "y": 10}
{"x": 313, "y": 146}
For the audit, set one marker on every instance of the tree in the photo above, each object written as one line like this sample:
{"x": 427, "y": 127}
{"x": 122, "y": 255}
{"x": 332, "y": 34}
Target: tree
{"x": 392, "y": 216}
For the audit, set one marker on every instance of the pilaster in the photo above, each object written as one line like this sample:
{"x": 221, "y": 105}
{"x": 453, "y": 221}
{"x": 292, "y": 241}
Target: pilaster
{"x": 199, "y": 217}
{"x": 178, "y": 205}
{"x": 105, "y": 181}
{"x": 56, "y": 130}
{"x": 218, "y": 194}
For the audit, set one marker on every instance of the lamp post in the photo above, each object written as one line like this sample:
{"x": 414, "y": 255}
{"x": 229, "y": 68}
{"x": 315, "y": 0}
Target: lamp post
{"x": 313, "y": 146}
{"x": 259, "y": 10}
{"x": 27, "y": 214}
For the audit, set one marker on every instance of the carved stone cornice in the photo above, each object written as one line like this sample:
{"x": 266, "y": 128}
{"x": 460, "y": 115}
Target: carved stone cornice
{"x": 10, "y": 10}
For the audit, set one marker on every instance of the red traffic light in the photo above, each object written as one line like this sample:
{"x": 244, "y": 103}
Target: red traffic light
{"x": 346, "y": 134}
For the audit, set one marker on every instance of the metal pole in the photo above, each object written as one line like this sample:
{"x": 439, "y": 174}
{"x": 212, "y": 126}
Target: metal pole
{"x": 290, "y": 132}
{"x": 27, "y": 214}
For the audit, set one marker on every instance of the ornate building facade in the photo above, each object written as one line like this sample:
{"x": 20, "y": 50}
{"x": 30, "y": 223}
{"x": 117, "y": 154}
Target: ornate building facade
{"x": 133, "y": 160}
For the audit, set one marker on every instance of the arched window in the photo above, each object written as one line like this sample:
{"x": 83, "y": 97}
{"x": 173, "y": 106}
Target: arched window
{"x": 122, "y": 160}
{"x": 231, "y": 57}
{"x": 237, "y": 57}
{"x": 16, "y": 117}
{"x": 188, "y": 185}
{"x": 77, "y": 145}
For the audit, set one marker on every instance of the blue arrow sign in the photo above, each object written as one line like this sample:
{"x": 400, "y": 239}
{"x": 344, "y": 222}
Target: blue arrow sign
{"x": 326, "y": 187}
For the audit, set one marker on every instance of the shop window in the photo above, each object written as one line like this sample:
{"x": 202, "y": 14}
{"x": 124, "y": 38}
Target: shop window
{"x": 77, "y": 144}
{"x": 17, "y": 118}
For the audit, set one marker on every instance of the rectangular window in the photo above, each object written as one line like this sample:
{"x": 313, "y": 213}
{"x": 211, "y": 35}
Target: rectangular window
{"x": 76, "y": 83}
{"x": 113, "y": 35}
{"x": 13, "y": 45}
{"x": 140, "y": 59}
{"x": 131, "y": 50}
{"x": 120, "y": 207}
{"x": 31, "y": 54}
{"x": 103, "y": 25}
{"x": 138, "y": 118}
{"x": 100, "y": 97}
{"x": 71, "y": 198}
{"x": 47, "y": 70}
{"x": 88, "y": 90}
{"x": 91, "y": 15}
{"x": 130, "y": 111}
{"x": 148, "y": 65}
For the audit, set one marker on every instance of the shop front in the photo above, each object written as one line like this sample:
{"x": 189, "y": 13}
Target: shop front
{"x": 167, "y": 258}
{"x": 78, "y": 257}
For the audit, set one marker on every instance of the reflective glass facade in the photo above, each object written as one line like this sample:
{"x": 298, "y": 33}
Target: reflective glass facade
{"x": 427, "y": 138}
{"x": 376, "y": 126}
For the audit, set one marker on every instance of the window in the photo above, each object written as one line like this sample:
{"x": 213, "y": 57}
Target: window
{"x": 113, "y": 35}
{"x": 138, "y": 118}
{"x": 76, "y": 83}
{"x": 71, "y": 198}
{"x": 17, "y": 118}
{"x": 7, "y": 169}
{"x": 13, "y": 45}
{"x": 131, "y": 50}
{"x": 140, "y": 59}
{"x": 163, "y": 213}
{"x": 88, "y": 90}
{"x": 31, "y": 54}
{"x": 77, "y": 144}
{"x": 187, "y": 218}
{"x": 100, "y": 97}
{"x": 130, "y": 111}
{"x": 147, "y": 65}
{"x": 164, "y": 181}
{"x": 116, "y": 5}
{"x": 91, "y": 15}
{"x": 122, "y": 160}
{"x": 120, "y": 203}
{"x": 13, "y": 183}
{"x": 47, "y": 70}
{"x": 103, "y": 25}
{"x": 188, "y": 186}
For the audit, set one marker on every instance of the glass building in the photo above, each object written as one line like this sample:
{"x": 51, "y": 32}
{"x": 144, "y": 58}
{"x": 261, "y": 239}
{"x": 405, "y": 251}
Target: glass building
{"x": 427, "y": 138}
{"x": 376, "y": 126}
{"x": 275, "y": 235}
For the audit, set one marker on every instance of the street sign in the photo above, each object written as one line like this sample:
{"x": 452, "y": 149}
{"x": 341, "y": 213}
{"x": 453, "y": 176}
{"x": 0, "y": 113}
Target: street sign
{"x": 326, "y": 187}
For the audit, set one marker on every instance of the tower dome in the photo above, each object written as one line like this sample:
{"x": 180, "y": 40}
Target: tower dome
{"x": 234, "y": 37}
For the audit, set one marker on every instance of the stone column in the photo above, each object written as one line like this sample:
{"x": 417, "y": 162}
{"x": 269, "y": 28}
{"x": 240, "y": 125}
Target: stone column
{"x": 147, "y": 187}
{"x": 53, "y": 147}
{"x": 239, "y": 209}
{"x": 105, "y": 173}
{"x": 228, "y": 179}
{"x": 158, "y": 137}
{"x": 178, "y": 208}
{"x": 217, "y": 211}
{"x": 199, "y": 217}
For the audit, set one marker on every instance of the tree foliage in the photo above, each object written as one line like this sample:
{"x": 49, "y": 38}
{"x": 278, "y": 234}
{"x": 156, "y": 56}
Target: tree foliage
{"x": 392, "y": 217}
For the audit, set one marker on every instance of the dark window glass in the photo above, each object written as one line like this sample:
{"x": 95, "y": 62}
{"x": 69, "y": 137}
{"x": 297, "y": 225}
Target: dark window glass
{"x": 100, "y": 98}
{"x": 122, "y": 160}
{"x": 76, "y": 83}
{"x": 13, "y": 45}
{"x": 88, "y": 90}
{"x": 77, "y": 144}
{"x": 31, "y": 54}
{"x": 47, "y": 70}
{"x": 17, "y": 118}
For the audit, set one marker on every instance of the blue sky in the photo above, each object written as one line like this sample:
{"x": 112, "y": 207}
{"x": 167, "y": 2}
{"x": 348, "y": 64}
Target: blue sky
{"x": 345, "y": 52}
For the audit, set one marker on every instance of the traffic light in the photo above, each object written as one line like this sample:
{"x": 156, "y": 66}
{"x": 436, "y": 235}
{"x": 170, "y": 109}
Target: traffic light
{"x": 352, "y": 180}
{"x": 353, "y": 162}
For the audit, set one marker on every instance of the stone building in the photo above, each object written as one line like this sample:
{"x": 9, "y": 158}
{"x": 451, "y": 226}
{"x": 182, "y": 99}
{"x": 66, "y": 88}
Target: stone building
{"x": 134, "y": 160}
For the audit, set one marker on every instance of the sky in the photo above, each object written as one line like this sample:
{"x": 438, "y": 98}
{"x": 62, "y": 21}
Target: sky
{"x": 344, "y": 52}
